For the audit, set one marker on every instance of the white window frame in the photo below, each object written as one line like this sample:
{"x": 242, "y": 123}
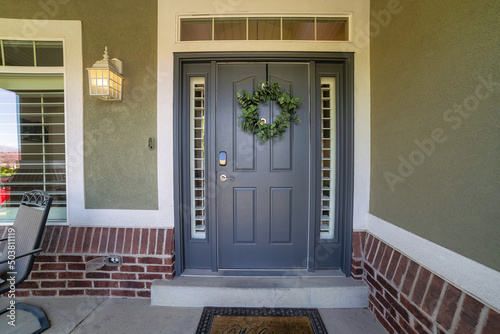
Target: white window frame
{"x": 70, "y": 33}
{"x": 341, "y": 16}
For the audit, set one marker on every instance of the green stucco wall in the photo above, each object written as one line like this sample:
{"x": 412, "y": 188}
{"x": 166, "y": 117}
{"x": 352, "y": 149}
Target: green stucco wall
{"x": 435, "y": 80}
{"x": 120, "y": 171}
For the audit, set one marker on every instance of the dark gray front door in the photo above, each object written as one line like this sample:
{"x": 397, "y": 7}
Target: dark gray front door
{"x": 262, "y": 216}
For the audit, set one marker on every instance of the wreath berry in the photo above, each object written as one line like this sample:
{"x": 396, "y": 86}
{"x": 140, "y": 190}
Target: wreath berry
{"x": 265, "y": 92}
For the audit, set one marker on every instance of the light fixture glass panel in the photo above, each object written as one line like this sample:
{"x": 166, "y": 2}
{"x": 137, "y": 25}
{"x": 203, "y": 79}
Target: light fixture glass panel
{"x": 196, "y": 30}
{"x": 298, "y": 29}
{"x": 331, "y": 30}
{"x": 49, "y": 53}
{"x": 264, "y": 29}
{"x": 230, "y": 29}
{"x": 18, "y": 53}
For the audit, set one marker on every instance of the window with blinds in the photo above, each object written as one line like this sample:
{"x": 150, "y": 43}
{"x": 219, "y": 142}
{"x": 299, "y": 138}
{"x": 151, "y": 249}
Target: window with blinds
{"x": 32, "y": 143}
{"x": 328, "y": 157}
{"x": 197, "y": 157}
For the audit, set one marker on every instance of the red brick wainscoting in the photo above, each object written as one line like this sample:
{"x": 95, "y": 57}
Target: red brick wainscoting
{"x": 60, "y": 269}
{"x": 407, "y": 298}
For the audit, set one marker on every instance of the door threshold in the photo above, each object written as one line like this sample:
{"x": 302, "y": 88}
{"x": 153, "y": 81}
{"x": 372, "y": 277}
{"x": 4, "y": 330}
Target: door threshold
{"x": 262, "y": 273}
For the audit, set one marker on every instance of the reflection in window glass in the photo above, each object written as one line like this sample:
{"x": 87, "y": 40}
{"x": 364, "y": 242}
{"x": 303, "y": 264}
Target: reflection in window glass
{"x": 49, "y": 53}
{"x": 264, "y": 29}
{"x": 18, "y": 53}
{"x": 32, "y": 149}
{"x": 196, "y": 30}
{"x": 331, "y": 30}
{"x": 298, "y": 29}
{"x": 230, "y": 29}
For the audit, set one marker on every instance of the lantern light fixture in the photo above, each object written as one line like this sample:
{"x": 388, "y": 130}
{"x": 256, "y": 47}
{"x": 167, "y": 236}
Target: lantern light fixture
{"x": 105, "y": 78}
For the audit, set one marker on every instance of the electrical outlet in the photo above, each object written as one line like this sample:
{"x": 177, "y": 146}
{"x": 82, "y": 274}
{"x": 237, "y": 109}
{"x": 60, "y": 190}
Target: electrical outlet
{"x": 113, "y": 260}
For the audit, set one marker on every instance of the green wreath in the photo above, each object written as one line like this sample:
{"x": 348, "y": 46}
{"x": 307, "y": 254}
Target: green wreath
{"x": 265, "y": 92}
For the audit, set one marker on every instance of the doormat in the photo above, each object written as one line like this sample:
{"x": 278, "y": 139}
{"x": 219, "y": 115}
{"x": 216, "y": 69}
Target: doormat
{"x": 246, "y": 320}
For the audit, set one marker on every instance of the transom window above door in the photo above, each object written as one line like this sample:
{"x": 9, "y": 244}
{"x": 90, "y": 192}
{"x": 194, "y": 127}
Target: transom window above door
{"x": 296, "y": 28}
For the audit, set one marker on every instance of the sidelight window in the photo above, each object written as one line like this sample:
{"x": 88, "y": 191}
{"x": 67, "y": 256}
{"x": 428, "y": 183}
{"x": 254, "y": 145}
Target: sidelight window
{"x": 197, "y": 157}
{"x": 328, "y": 157}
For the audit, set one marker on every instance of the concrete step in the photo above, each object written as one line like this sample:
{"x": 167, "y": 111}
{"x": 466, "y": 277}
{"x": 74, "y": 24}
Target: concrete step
{"x": 319, "y": 292}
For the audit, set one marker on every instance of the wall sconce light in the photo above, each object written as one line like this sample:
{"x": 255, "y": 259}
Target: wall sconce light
{"x": 105, "y": 78}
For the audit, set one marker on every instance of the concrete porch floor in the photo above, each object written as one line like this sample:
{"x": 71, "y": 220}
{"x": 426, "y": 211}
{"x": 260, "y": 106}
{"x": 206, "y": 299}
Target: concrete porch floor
{"x": 81, "y": 315}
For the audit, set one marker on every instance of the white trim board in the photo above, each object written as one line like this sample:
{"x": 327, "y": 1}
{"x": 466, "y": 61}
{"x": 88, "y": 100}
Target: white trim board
{"x": 474, "y": 278}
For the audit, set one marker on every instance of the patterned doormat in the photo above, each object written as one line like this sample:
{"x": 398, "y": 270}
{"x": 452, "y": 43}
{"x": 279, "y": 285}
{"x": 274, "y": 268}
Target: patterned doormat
{"x": 237, "y": 320}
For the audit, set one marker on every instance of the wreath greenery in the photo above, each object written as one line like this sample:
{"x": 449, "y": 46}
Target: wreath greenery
{"x": 265, "y": 92}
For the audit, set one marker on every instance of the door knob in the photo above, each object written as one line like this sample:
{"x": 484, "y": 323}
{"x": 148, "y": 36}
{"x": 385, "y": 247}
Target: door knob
{"x": 224, "y": 178}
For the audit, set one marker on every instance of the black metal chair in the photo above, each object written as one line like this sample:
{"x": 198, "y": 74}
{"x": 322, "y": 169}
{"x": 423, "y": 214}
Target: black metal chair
{"x": 21, "y": 246}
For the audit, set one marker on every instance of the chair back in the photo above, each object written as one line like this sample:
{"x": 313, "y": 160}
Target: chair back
{"x": 26, "y": 233}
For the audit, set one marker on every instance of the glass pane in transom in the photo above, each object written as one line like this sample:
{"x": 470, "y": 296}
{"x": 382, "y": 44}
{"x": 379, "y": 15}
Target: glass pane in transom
{"x": 196, "y": 30}
{"x": 18, "y": 53}
{"x": 298, "y": 28}
{"x": 331, "y": 30}
{"x": 230, "y": 29}
{"x": 263, "y": 29}
{"x": 49, "y": 53}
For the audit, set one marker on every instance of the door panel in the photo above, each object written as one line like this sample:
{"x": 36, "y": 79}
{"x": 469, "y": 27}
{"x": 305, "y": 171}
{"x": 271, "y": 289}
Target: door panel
{"x": 262, "y": 216}
{"x": 244, "y": 215}
{"x": 281, "y": 215}
{"x": 244, "y": 149}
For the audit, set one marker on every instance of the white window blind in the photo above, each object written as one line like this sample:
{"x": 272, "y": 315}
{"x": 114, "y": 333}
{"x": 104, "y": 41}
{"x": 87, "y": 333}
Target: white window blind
{"x": 328, "y": 157}
{"x": 32, "y": 148}
{"x": 197, "y": 157}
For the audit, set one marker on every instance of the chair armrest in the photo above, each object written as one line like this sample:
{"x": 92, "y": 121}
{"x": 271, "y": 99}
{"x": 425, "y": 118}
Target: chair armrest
{"x": 35, "y": 251}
